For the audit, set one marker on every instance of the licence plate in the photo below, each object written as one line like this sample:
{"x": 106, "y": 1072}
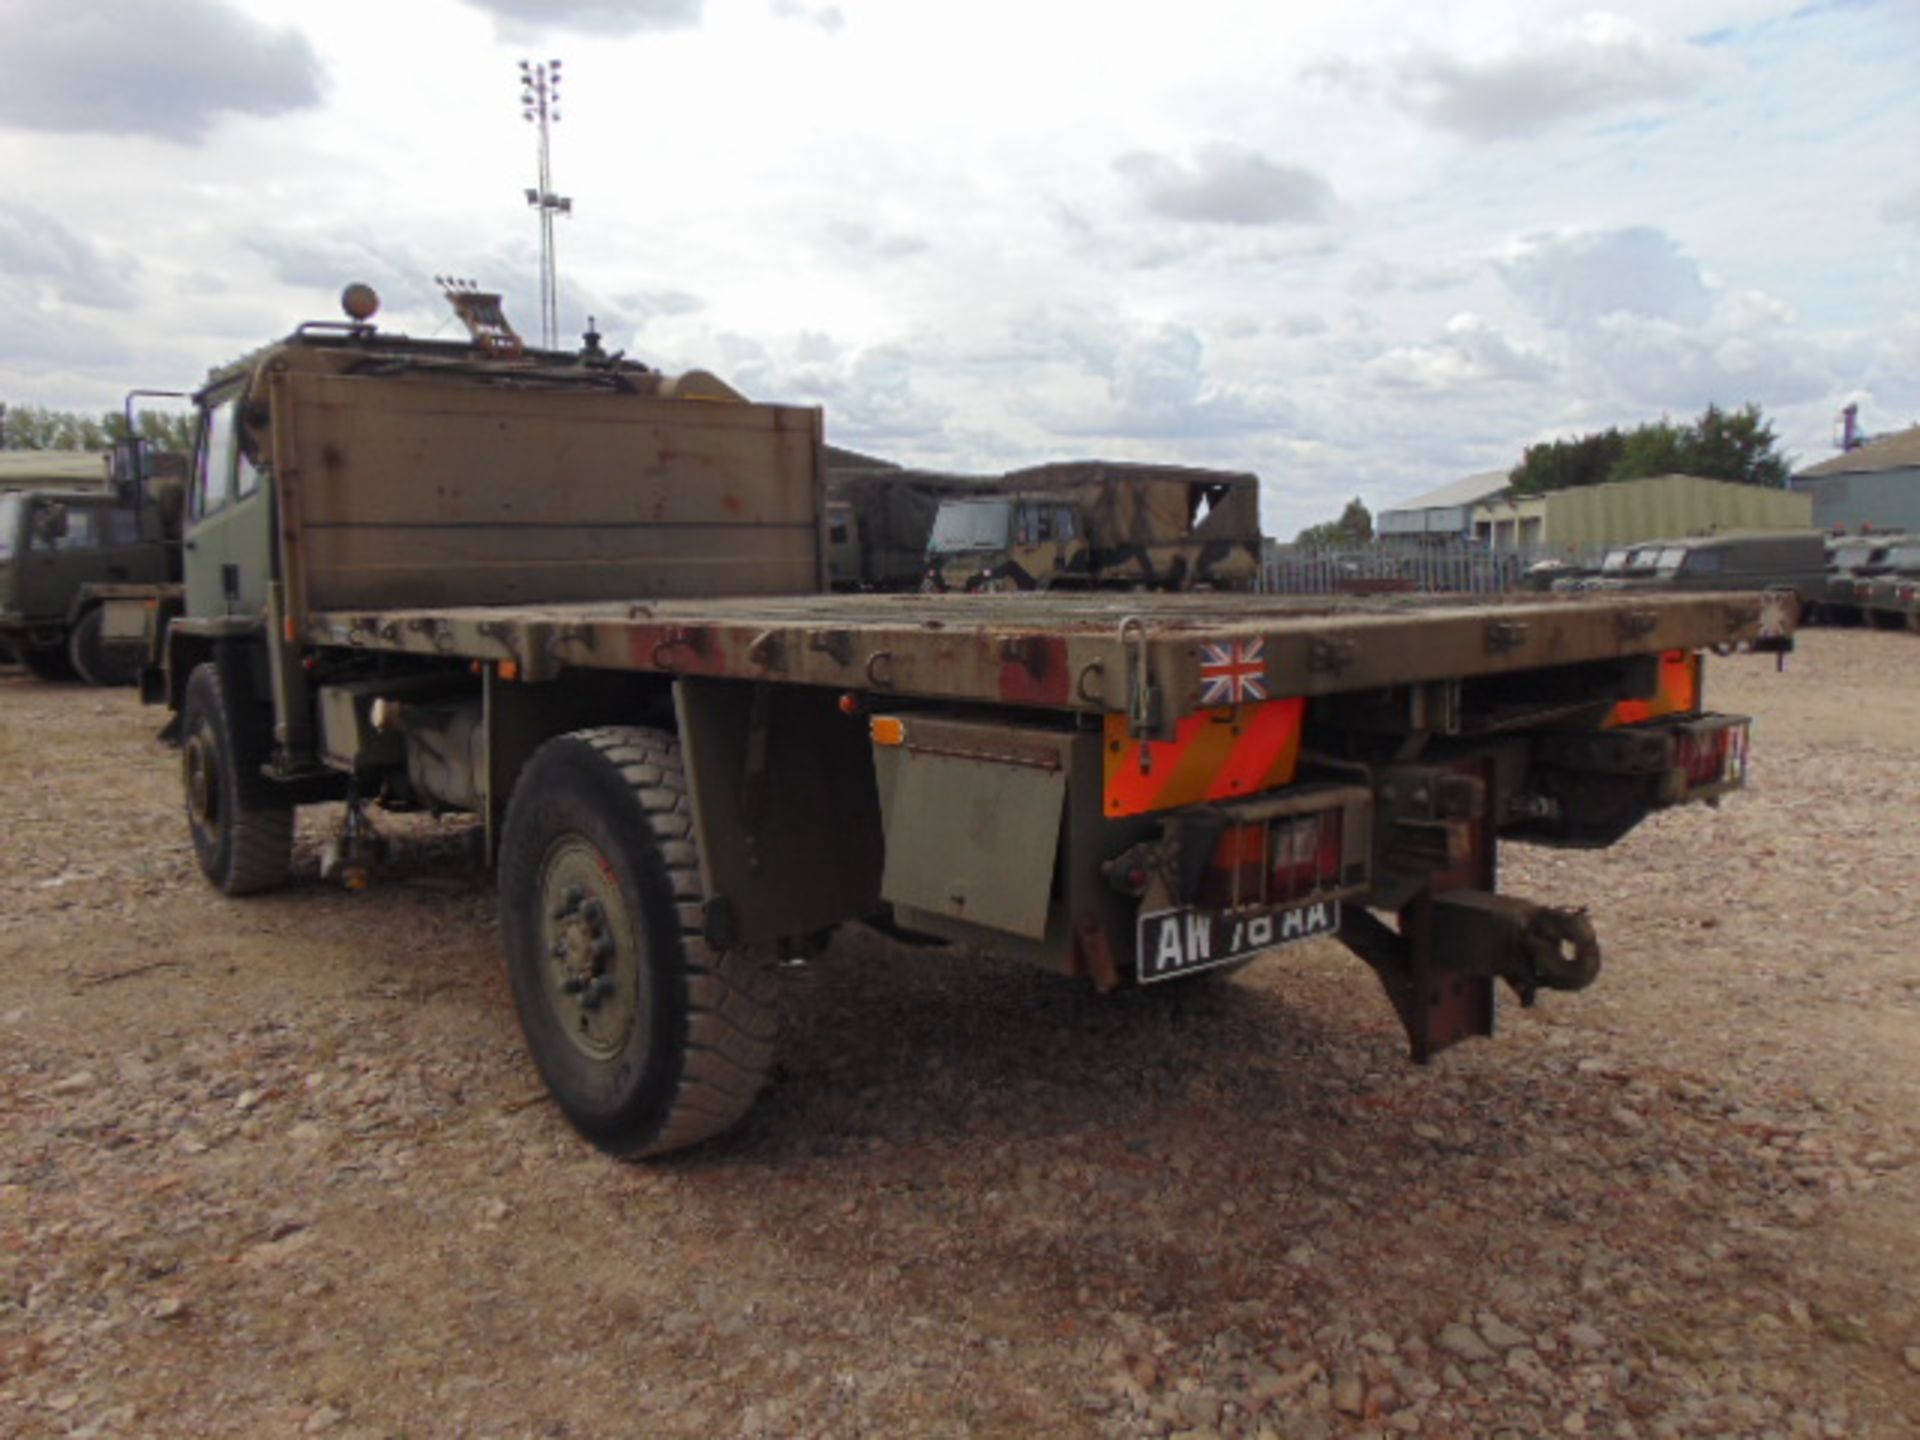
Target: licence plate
{"x": 1178, "y": 942}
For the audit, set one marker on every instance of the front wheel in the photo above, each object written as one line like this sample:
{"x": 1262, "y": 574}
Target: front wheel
{"x": 650, "y": 1039}
{"x": 242, "y": 828}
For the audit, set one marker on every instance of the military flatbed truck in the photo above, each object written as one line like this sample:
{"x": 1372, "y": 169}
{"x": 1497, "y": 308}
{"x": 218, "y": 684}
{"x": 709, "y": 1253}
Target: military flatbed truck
{"x": 583, "y": 601}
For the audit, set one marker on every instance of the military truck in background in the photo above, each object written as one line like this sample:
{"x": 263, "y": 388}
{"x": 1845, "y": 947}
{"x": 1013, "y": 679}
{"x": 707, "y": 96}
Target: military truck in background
{"x": 879, "y": 518}
{"x": 1854, "y": 562}
{"x": 585, "y": 602}
{"x": 1891, "y": 599}
{"x": 87, "y": 575}
{"x": 1100, "y": 525}
{"x": 1785, "y": 562}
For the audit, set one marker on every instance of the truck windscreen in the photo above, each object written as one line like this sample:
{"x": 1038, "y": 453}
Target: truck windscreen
{"x": 970, "y": 525}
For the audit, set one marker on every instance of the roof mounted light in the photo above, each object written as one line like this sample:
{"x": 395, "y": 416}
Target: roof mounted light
{"x": 360, "y": 302}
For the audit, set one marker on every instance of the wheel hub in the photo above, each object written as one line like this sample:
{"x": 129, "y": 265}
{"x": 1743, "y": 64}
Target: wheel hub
{"x": 203, "y": 805}
{"x": 593, "y": 950}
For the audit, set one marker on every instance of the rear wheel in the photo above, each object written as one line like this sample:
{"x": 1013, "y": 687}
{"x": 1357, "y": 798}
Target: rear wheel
{"x": 100, "y": 661}
{"x": 242, "y": 828}
{"x": 650, "y": 1039}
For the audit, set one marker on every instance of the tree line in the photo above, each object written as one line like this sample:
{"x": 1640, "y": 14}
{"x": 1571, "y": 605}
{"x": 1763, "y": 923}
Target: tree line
{"x": 1733, "y": 445}
{"x": 34, "y": 427}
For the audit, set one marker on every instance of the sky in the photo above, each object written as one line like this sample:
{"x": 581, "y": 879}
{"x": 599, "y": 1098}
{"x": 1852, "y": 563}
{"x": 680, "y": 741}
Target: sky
{"x": 1359, "y": 248}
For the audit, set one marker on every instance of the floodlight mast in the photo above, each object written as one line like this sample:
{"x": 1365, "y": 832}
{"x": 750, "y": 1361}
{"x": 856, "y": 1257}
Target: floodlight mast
{"x": 540, "y": 107}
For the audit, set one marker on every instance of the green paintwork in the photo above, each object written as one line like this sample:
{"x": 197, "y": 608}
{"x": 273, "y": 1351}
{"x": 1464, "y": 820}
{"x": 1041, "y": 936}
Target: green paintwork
{"x": 53, "y": 545}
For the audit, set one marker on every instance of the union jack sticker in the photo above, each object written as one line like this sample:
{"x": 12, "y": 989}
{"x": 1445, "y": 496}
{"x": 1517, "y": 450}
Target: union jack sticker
{"x": 1234, "y": 673}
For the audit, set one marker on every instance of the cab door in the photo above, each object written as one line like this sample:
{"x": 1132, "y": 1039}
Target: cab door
{"x": 1044, "y": 540}
{"x": 229, "y": 536}
{"x": 60, "y": 540}
{"x": 127, "y": 556}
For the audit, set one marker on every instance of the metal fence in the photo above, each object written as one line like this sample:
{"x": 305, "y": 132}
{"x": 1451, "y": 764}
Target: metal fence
{"x": 1378, "y": 570}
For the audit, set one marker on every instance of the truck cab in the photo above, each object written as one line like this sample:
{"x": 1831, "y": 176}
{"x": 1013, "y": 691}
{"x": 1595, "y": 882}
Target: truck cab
{"x": 1008, "y": 542}
{"x": 60, "y": 551}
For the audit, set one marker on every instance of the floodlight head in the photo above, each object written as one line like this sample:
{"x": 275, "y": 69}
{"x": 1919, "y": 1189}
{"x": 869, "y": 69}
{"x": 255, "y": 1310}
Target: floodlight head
{"x": 360, "y": 302}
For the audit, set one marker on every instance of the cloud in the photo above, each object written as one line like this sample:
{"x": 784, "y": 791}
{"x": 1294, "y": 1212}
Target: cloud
{"x": 47, "y": 339}
{"x": 1681, "y": 369}
{"x": 34, "y": 245}
{"x": 1598, "y": 63}
{"x": 324, "y": 262}
{"x": 863, "y": 242}
{"x": 533, "y": 19}
{"x": 1227, "y": 185}
{"x": 645, "y": 305}
{"x": 1572, "y": 281}
{"x": 130, "y": 67}
{"x": 1470, "y": 352}
{"x": 869, "y": 392}
{"x": 1374, "y": 276}
{"x": 1903, "y": 209}
{"x": 1101, "y": 376}
{"x": 1644, "y": 325}
{"x": 829, "y": 18}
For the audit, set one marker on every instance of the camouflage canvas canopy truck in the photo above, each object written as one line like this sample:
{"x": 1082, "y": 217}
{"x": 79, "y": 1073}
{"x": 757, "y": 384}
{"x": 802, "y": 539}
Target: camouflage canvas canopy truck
{"x": 1099, "y": 524}
{"x": 83, "y": 571}
{"x": 879, "y": 518}
{"x": 559, "y": 593}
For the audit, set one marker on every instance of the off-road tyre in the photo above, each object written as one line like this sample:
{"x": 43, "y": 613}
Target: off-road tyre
{"x": 46, "y": 664}
{"x": 98, "y": 661}
{"x": 649, "y": 1038}
{"x": 242, "y": 827}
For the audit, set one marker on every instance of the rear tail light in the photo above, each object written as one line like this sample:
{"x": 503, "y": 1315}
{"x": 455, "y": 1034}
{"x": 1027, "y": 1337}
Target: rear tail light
{"x": 1306, "y": 855}
{"x": 1713, "y": 757}
{"x": 1236, "y": 875}
{"x": 1275, "y": 862}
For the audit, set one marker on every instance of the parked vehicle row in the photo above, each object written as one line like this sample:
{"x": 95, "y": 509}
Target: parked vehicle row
{"x": 1836, "y": 580}
{"x": 1782, "y": 561}
{"x": 1874, "y": 580}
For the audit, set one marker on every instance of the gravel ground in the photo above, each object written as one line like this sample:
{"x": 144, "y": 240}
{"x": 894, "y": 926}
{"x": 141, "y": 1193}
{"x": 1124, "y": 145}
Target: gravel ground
{"x": 280, "y": 1167}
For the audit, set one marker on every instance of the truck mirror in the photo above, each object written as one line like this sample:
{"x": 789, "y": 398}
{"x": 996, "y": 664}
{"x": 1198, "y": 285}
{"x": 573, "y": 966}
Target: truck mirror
{"x": 128, "y": 468}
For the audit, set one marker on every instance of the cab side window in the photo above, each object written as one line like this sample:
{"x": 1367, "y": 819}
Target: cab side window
{"x": 1035, "y": 525}
{"x": 83, "y": 530}
{"x": 1703, "y": 562}
{"x": 246, "y": 475}
{"x": 1063, "y": 523}
{"x": 63, "y": 527}
{"x": 213, "y": 488}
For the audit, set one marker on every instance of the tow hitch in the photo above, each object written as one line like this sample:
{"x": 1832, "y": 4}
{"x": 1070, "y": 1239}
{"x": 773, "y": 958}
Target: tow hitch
{"x": 1531, "y": 947}
{"x": 1436, "y": 967}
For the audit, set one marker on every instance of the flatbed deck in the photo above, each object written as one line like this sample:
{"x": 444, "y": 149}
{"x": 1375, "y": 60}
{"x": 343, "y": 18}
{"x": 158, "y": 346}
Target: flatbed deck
{"x": 1080, "y": 652}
